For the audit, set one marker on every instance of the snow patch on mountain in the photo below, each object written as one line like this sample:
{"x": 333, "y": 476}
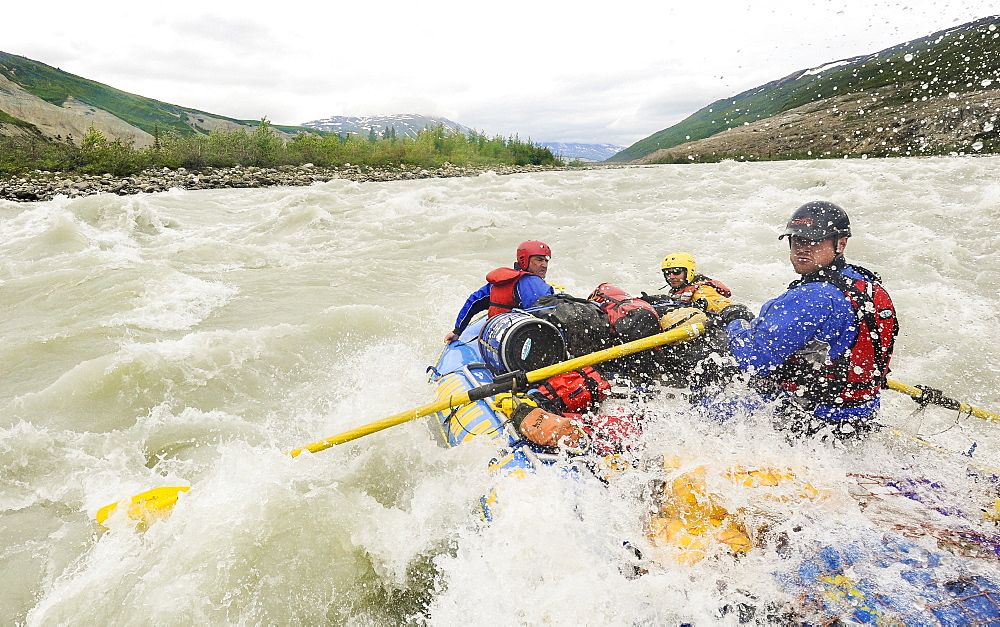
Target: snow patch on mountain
{"x": 587, "y": 152}
{"x": 405, "y": 125}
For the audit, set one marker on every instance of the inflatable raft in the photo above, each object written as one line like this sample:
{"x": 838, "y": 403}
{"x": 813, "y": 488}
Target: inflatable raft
{"x": 921, "y": 561}
{"x": 462, "y": 367}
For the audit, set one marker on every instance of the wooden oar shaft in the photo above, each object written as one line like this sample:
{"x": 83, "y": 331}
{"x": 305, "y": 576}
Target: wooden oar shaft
{"x": 660, "y": 339}
{"x": 916, "y": 393}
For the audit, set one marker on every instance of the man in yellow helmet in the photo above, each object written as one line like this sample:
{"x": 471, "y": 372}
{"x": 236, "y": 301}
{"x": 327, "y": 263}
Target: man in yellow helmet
{"x": 691, "y": 364}
{"x": 687, "y": 286}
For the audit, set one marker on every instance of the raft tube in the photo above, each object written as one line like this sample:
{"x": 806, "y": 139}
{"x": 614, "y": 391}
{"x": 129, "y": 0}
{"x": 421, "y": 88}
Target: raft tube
{"x": 460, "y": 368}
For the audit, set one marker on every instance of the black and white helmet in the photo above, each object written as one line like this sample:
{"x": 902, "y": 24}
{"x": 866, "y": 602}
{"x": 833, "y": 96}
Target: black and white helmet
{"x": 818, "y": 220}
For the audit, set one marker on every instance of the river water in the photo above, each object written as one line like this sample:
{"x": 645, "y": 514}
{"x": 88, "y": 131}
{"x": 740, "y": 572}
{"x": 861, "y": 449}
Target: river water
{"x": 190, "y": 338}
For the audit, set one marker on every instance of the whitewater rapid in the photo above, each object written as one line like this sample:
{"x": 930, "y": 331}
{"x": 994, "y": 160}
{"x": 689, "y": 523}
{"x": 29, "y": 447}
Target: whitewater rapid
{"x": 190, "y": 338}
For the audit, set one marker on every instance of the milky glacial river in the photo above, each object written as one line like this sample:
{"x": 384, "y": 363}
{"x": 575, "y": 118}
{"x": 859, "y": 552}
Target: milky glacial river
{"x": 190, "y": 338}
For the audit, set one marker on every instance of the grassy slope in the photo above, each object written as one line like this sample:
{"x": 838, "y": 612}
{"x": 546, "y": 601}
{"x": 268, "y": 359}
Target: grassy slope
{"x": 956, "y": 60}
{"x": 6, "y": 118}
{"x": 55, "y": 86}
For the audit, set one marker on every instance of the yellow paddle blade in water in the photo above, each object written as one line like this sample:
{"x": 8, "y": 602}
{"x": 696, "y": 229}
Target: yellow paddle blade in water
{"x": 148, "y": 507}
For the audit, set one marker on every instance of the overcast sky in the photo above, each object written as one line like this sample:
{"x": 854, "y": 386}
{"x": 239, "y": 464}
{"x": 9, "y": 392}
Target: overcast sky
{"x": 551, "y": 70}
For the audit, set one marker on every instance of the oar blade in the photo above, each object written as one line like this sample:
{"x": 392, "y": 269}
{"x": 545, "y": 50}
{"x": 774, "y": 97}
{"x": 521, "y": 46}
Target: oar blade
{"x": 146, "y": 508}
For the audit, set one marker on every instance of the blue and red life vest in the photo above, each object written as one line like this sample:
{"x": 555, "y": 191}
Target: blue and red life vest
{"x": 855, "y": 377}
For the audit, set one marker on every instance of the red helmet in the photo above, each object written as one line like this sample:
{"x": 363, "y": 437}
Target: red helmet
{"x": 529, "y": 248}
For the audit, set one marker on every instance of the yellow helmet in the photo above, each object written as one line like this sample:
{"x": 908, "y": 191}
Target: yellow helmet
{"x": 679, "y": 260}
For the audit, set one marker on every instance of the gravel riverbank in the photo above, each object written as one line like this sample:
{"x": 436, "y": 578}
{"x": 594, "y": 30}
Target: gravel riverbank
{"x": 37, "y": 186}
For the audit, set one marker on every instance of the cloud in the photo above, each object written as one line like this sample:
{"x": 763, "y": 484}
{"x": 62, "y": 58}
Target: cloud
{"x": 234, "y": 34}
{"x": 552, "y": 71}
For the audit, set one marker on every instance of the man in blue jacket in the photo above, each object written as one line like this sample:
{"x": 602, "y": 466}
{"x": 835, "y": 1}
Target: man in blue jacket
{"x": 508, "y": 288}
{"x": 823, "y": 347}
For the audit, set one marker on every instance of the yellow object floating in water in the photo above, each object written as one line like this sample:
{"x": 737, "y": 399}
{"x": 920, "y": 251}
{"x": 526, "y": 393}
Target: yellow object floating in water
{"x": 994, "y": 514}
{"x": 693, "y": 522}
{"x": 146, "y": 508}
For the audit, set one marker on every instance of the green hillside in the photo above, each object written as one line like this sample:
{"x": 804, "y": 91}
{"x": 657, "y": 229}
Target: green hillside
{"x": 55, "y": 86}
{"x": 6, "y": 118}
{"x": 962, "y": 59}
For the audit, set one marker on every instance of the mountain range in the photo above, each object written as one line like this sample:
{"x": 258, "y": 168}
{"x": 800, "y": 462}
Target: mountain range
{"x": 41, "y": 101}
{"x": 939, "y": 94}
{"x": 586, "y": 152}
{"x": 404, "y": 125}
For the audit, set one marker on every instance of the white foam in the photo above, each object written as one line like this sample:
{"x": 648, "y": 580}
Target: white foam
{"x": 176, "y": 302}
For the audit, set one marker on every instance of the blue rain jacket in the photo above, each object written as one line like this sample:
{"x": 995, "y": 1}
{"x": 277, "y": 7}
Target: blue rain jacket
{"x": 804, "y": 315}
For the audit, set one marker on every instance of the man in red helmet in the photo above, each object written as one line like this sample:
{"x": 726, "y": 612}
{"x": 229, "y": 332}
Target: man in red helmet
{"x": 509, "y": 288}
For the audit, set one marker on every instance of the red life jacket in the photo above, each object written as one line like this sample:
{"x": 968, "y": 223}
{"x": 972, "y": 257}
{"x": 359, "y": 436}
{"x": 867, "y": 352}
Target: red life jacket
{"x": 685, "y": 293}
{"x": 617, "y": 303}
{"x": 855, "y": 377}
{"x": 611, "y": 434}
{"x": 503, "y": 294}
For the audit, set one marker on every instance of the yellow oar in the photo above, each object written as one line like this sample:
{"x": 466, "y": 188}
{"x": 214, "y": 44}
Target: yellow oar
{"x": 155, "y": 504}
{"x": 503, "y": 384}
{"x": 926, "y": 395}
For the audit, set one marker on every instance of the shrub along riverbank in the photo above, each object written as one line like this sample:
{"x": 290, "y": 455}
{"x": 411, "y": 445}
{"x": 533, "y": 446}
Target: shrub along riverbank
{"x": 262, "y": 147}
{"x": 35, "y": 169}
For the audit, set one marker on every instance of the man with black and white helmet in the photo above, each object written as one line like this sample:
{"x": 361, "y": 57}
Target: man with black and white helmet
{"x": 823, "y": 347}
